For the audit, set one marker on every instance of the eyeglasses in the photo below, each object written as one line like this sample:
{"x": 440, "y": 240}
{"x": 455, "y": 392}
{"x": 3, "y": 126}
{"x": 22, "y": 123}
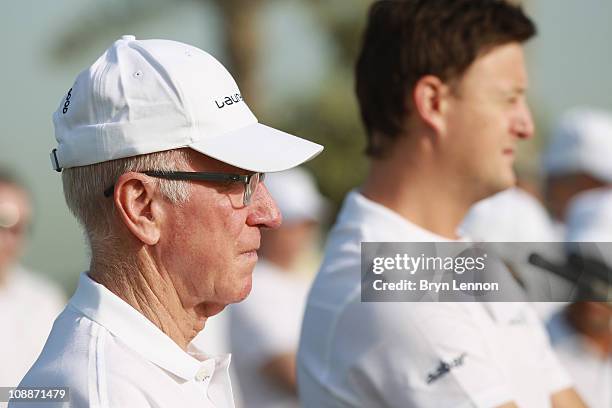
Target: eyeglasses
{"x": 250, "y": 181}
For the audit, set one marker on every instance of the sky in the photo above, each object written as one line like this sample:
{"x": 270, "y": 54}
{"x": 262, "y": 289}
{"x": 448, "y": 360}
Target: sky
{"x": 570, "y": 61}
{"x": 569, "y": 64}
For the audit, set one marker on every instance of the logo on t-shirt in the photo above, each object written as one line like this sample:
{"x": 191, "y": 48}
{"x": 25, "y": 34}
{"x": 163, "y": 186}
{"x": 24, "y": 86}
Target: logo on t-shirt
{"x": 445, "y": 367}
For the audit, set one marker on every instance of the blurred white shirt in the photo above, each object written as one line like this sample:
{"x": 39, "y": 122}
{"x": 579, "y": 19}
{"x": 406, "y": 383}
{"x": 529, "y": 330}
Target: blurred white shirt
{"x": 28, "y": 306}
{"x": 590, "y": 371}
{"x": 514, "y": 215}
{"x": 265, "y": 325}
{"x": 355, "y": 354}
{"x": 110, "y": 355}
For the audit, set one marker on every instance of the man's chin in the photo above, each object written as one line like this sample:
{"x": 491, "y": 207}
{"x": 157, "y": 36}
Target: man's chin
{"x": 210, "y": 309}
{"x": 246, "y": 289}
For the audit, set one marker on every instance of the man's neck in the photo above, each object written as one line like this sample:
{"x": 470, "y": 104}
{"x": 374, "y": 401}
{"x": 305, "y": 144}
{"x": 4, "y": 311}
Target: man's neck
{"x": 151, "y": 292}
{"x": 422, "y": 195}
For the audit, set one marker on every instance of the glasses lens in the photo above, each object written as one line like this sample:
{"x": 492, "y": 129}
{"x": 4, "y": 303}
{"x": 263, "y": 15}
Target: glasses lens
{"x": 251, "y": 187}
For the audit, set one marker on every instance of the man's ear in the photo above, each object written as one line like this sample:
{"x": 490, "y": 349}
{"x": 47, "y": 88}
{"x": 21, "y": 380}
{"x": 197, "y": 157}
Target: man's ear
{"x": 429, "y": 99}
{"x": 138, "y": 205}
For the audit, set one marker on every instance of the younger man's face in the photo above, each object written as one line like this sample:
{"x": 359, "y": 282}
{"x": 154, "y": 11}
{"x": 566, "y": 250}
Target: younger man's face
{"x": 486, "y": 115}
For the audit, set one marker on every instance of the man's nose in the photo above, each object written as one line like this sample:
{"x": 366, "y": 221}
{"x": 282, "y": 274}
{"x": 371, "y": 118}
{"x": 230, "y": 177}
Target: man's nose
{"x": 523, "y": 126}
{"x": 264, "y": 211}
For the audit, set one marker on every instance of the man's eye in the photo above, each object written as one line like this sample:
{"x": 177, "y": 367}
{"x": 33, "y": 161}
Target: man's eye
{"x": 230, "y": 185}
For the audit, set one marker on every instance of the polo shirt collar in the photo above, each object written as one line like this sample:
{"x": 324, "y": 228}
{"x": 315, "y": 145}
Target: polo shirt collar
{"x": 381, "y": 223}
{"x": 105, "y": 308}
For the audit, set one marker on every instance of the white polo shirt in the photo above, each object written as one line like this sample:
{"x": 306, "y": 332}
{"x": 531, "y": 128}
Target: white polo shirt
{"x": 264, "y": 325}
{"x": 355, "y": 354}
{"x": 110, "y": 355}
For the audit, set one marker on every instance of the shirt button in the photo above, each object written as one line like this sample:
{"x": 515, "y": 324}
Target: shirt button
{"x": 203, "y": 374}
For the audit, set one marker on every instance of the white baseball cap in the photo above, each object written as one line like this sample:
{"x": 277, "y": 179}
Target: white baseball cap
{"x": 581, "y": 143}
{"x": 297, "y": 196}
{"x": 145, "y": 96}
{"x": 589, "y": 216}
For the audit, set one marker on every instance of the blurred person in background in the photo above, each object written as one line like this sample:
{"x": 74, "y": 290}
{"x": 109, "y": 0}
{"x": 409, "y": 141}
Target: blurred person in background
{"x": 162, "y": 164}
{"x": 576, "y": 159}
{"x": 581, "y": 333}
{"x": 28, "y": 302}
{"x": 515, "y": 216}
{"x": 265, "y": 328}
{"x": 441, "y": 87}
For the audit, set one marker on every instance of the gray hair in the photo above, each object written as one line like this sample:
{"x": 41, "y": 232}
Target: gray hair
{"x": 84, "y": 187}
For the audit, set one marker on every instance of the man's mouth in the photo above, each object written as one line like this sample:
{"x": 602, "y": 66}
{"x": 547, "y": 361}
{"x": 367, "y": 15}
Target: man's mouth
{"x": 251, "y": 254}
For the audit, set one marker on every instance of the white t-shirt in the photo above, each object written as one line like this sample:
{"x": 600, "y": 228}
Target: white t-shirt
{"x": 590, "y": 371}
{"x": 110, "y": 355}
{"x": 355, "y": 354}
{"x": 266, "y": 324}
{"x": 28, "y": 306}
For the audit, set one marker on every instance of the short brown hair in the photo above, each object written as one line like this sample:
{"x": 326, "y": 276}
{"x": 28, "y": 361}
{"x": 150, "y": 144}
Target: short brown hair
{"x": 407, "y": 39}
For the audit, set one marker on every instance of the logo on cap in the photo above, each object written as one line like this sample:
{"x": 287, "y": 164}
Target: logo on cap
{"x": 67, "y": 102}
{"x": 229, "y": 100}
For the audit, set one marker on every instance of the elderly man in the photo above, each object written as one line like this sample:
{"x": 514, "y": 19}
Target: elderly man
{"x": 163, "y": 164}
{"x": 441, "y": 87}
{"x": 28, "y": 302}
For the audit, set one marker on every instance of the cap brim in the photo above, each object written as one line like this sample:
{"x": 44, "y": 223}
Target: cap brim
{"x": 259, "y": 148}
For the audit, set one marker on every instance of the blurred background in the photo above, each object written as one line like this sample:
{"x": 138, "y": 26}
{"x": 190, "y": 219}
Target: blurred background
{"x": 293, "y": 60}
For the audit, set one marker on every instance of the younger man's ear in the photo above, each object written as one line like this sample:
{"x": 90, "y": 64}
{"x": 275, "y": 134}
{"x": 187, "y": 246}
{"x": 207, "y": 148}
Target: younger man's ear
{"x": 429, "y": 101}
{"x": 138, "y": 206}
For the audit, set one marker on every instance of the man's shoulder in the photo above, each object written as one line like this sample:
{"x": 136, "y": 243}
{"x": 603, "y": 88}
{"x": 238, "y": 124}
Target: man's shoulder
{"x": 64, "y": 358}
{"x": 85, "y": 387}
{"x": 84, "y": 357}
{"x": 51, "y": 371}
